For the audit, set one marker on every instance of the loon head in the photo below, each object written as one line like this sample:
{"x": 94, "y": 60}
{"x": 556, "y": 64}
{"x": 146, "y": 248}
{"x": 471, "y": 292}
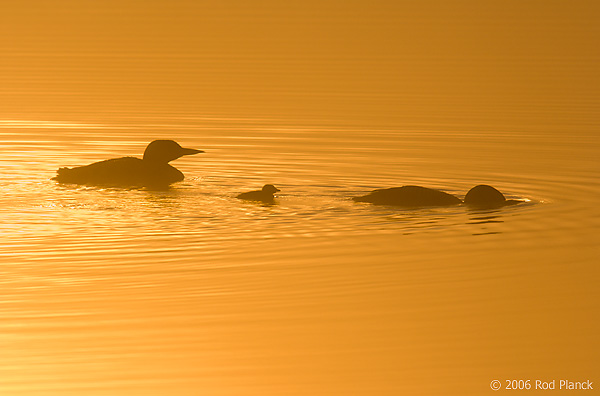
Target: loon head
{"x": 164, "y": 151}
{"x": 270, "y": 189}
{"x": 484, "y": 196}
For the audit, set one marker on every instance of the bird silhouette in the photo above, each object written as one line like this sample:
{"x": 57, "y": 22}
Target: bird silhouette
{"x": 410, "y": 197}
{"x": 264, "y": 195}
{"x": 484, "y": 196}
{"x": 152, "y": 170}
{"x": 481, "y": 196}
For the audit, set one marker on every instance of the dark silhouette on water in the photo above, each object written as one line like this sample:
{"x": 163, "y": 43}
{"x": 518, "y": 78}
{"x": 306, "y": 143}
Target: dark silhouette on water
{"x": 481, "y": 196}
{"x": 410, "y": 197}
{"x": 484, "y": 196}
{"x": 151, "y": 171}
{"x": 265, "y": 195}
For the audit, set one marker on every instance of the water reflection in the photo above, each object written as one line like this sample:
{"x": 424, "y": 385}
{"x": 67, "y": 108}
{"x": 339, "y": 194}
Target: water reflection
{"x": 486, "y": 219}
{"x": 172, "y": 260}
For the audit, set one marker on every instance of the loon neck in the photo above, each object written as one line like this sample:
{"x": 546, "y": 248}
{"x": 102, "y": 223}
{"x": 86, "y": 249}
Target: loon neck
{"x": 156, "y": 161}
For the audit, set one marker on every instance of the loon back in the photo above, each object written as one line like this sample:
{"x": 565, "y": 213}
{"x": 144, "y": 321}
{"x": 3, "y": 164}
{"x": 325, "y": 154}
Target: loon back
{"x": 409, "y": 196}
{"x": 126, "y": 171}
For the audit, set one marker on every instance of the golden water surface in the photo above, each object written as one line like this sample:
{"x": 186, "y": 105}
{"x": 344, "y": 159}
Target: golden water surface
{"x": 189, "y": 291}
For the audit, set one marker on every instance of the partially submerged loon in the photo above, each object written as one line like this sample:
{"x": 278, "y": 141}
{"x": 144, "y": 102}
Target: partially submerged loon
{"x": 152, "y": 170}
{"x": 484, "y": 196}
{"x": 481, "y": 196}
{"x": 264, "y": 195}
{"x": 409, "y": 196}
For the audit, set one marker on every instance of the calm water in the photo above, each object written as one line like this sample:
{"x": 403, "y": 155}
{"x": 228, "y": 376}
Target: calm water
{"x": 190, "y": 291}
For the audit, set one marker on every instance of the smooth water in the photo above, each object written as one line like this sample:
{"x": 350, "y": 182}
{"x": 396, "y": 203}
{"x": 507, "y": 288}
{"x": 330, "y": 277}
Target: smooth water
{"x": 190, "y": 291}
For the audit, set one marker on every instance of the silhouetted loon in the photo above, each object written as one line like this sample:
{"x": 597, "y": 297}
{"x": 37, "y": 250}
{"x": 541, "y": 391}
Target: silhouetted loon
{"x": 152, "y": 170}
{"x": 264, "y": 195}
{"x": 484, "y": 196}
{"x": 481, "y": 196}
{"x": 409, "y": 196}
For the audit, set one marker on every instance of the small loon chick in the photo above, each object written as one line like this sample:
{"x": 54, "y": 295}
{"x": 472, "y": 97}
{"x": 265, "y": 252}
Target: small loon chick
{"x": 152, "y": 170}
{"x": 410, "y": 197}
{"x": 484, "y": 196}
{"x": 264, "y": 195}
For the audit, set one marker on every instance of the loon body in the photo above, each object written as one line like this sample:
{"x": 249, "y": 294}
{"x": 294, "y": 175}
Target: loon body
{"x": 264, "y": 195}
{"x": 410, "y": 197}
{"x": 481, "y": 196}
{"x": 152, "y": 170}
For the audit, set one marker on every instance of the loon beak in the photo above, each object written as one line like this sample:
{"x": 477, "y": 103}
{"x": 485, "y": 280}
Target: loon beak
{"x": 189, "y": 151}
